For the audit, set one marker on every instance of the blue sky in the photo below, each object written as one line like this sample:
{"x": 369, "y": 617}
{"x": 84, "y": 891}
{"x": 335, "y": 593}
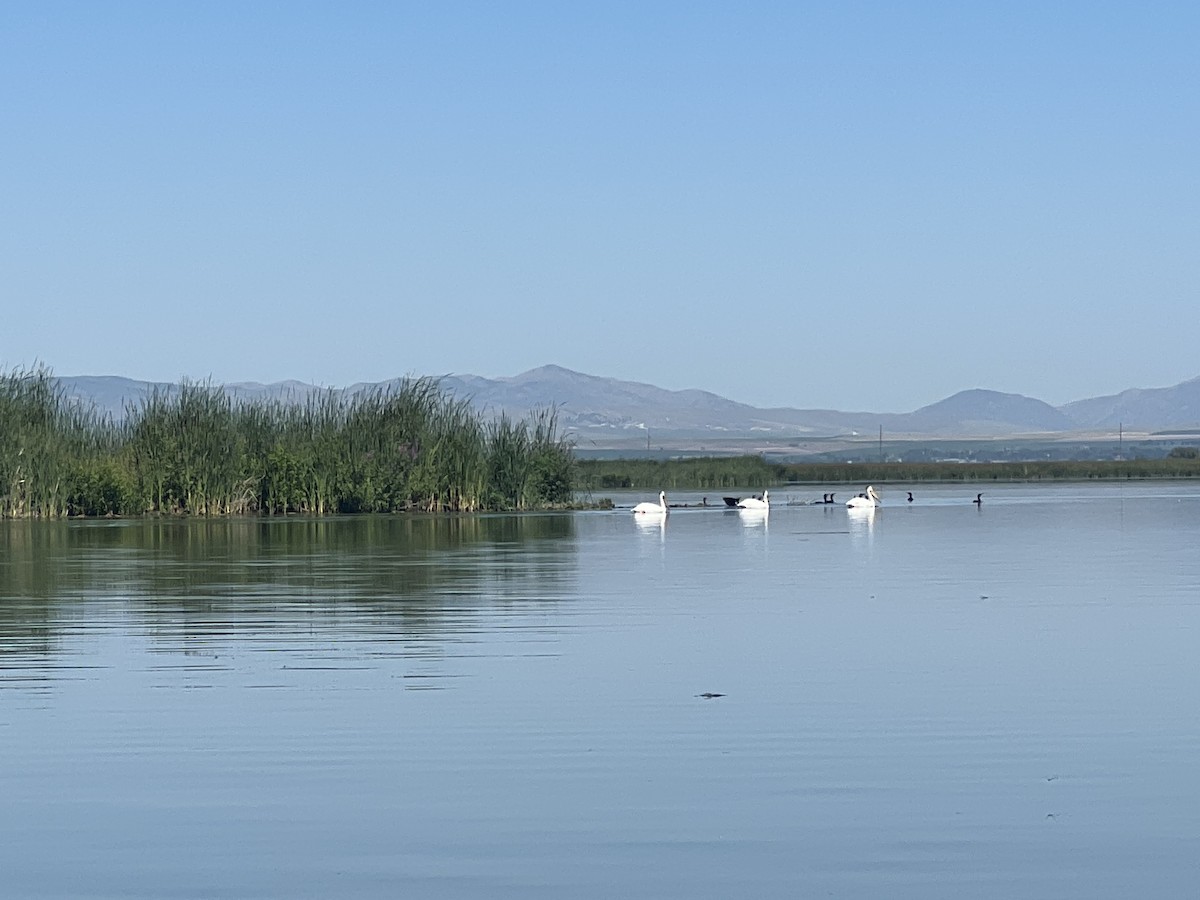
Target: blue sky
{"x": 863, "y": 206}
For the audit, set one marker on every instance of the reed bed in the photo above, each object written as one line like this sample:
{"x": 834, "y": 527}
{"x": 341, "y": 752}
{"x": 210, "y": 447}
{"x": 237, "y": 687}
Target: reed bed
{"x": 695, "y": 473}
{"x": 191, "y": 450}
{"x": 756, "y": 472}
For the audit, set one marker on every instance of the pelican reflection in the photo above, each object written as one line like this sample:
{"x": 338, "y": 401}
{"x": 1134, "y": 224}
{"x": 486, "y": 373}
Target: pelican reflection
{"x": 754, "y": 518}
{"x": 652, "y": 525}
{"x": 862, "y": 523}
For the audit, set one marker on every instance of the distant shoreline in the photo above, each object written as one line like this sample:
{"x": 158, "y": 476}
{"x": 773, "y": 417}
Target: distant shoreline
{"x": 720, "y": 473}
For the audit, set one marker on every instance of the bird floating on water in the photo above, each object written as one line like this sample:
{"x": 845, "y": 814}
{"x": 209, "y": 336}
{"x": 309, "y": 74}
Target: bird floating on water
{"x": 653, "y": 509}
{"x": 868, "y": 500}
{"x": 978, "y": 501}
{"x": 755, "y": 503}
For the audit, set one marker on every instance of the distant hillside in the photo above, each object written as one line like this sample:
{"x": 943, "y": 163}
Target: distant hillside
{"x": 603, "y": 409}
{"x": 108, "y": 393}
{"x": 980, "y": 412}
{"x": 591, "y": 401}
{"x": 112, "y": 393}
{"x": 1149, "y": 408}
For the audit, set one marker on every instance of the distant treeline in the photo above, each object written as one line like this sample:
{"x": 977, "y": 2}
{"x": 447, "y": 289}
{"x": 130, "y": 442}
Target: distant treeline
{"x": 715, "y": 473}
{"x": 192, "y": 450}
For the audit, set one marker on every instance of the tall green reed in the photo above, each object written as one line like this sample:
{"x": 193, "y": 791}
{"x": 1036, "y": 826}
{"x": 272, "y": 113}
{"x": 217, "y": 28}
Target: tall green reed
{"x": 191, "y": 450}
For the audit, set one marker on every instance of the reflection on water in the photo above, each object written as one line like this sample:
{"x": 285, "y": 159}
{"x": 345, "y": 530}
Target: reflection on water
{"x": 861, "y": 521}
{"x": 755, "y": 531}
{"x": 204, "y": 586}
{"x": 656, "y": 525}
{"x": 754, "y": 518}
{"x": 652, "y": 535}
{"x": 926, "y": 700}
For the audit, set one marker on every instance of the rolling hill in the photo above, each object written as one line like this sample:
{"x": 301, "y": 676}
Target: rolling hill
{"x": 599, "y": 408}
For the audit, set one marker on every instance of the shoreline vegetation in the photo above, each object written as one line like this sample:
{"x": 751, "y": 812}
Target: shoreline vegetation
{"x": 191, "y": 450}
{"x": 720, "y": 473}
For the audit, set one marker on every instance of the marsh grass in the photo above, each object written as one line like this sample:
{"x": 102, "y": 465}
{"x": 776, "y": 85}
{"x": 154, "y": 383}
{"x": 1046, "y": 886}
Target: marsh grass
{"x": 756, "y": 472}
{"x": 191, "y": 450}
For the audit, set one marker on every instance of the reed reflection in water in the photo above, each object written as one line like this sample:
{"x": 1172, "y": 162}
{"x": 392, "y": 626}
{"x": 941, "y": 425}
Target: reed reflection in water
{"x": 319, "y": 591}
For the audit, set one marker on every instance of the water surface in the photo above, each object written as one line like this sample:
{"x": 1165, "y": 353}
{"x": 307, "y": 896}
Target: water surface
{"x": 936, "y": 700}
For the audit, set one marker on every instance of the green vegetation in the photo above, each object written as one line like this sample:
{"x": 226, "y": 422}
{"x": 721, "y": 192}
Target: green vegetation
{"x": 698, "y": 473}
{"x": 192, "y": 450}
{"x": 755, "y": 472}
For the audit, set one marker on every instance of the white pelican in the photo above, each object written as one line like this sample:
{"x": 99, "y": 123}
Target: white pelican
{"x": 653, "y": 509}
{"x": 755, "y": 503}
{"x": 870, "y": 501}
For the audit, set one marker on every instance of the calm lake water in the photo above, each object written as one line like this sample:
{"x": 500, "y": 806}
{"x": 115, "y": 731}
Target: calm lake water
{"x": 936, "y": 700}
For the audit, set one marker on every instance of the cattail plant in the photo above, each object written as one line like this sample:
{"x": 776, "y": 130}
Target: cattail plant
{"x": 190, "y": 449}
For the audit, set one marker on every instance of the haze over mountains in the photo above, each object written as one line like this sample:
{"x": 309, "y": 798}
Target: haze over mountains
{"x": 598, "y": 408}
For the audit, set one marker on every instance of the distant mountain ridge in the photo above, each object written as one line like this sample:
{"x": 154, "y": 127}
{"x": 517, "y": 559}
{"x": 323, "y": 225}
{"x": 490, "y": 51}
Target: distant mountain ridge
{"x": 597, "y": 407}
{"x": 987, "y": 411}
{"x": 1177, "y": 406}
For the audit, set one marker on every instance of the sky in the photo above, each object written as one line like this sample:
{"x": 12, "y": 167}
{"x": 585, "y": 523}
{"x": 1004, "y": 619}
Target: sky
{"x": 857, "y": 206}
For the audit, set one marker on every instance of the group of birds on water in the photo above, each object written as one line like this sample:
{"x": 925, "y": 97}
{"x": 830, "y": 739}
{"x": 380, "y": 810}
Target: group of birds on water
{"x": 867, "y": 500}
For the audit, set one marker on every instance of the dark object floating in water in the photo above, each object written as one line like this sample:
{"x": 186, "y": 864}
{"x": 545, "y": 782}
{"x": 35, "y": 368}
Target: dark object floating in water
{"x": 978, "y": 499}
{"x": 709, "y": 695}
{"x": 734, "y": 501}
{"x": 910, "y": 496}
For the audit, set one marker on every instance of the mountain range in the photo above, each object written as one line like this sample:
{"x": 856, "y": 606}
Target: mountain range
{"x": 601, "y": 409}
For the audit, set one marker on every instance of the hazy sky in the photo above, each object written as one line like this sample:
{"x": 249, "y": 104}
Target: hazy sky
{"x": 864, "y": 206}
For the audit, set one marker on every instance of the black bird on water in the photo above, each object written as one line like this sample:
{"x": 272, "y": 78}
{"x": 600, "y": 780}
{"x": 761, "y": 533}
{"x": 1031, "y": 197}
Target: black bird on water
{"x": 910, "y": 496}
{"x": 978, "y": 501}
